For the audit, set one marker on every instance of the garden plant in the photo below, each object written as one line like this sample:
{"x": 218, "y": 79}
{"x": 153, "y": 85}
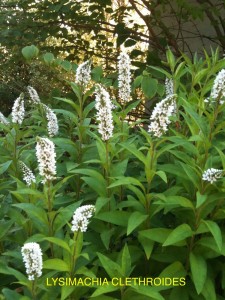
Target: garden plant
{"x": 97, "y": 204}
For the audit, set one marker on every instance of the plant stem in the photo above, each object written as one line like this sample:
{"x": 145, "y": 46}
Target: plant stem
{"x": 73, "y": 260}
{"x": 49, "y": 199}
{"x": 107, "y": 166}
{"x": 33, "y": 289}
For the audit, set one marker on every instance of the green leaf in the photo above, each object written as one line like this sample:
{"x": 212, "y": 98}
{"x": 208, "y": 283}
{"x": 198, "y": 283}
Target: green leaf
{"x": 30, "y": 52}
{"x": 66, "y": 65}
{"x": 95, "y": 180}
{"x": 75, "y": 87}
{"x": 149, "y": 86}
{"x": 12, "y": 295}
{"x": 148, "y": 291}
{"x": 70, "y": 102}
{"x": 198, "y": 270}
{"x": 147, "y": 244}
{"x": 171, "y": 59}
{"x": 10, "y": 271}
{"x": 137, "y": 153}
{"x": 33, "y": 211}
{"x": 58, "y": 242}
{"x": 216, "y": 232}
{"x": 66, "y": 290}
{"x": 97, "y": 73}
{"x": 111, "y": 267}
{"x": 104, "y": 289}
{"x": 135, "y": 220}
{"x": 178, "y": 234}
{"x": 114, "y": 217}
{"x": 162, "y": 175}
{"x": 126, "y": 181}
{"x": 126, "y": 261}
{"x": 5, "y": 166}
{"x": 48, "y": 58}
{"x": 5, "y": 226}
{"x": 156, "y": 234}
{"x": 137, "y": 81}
{"x": 208, "y": 290}
{"x": 200, "y": 199}
{"x": 176, "y": 269}
{"x": 56, "y": 264}
{"x": 175, "y": 201}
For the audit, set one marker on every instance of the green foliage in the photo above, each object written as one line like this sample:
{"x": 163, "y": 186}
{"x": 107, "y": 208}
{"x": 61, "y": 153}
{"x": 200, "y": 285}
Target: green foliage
{"x": 158, "y": 229}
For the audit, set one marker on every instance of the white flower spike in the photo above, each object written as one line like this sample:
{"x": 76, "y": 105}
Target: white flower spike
{"x": 124, "y": 77}
{"x": 28, "y": 175}
{"x": 53, "y": 126}
{"x": 160, "y": 118}
{"x": 3, "y": 119}
{"x": 32, "y": 257}
{"x": 218, "y": 89}
{"x": 212, "y": 175}
{"x": 104, "y": 108}
{"x": 46, "y": 156}
{"x": 81, "y": 217}
{"x": 83, "y": 73}
{"x": 18, "y": 110}
{"x": 33, "y": 95}
{"x": 169, "y": 86}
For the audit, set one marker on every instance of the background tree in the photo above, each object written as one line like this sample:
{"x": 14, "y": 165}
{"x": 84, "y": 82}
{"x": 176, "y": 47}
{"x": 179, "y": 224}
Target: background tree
{"x": 79, "y": 30}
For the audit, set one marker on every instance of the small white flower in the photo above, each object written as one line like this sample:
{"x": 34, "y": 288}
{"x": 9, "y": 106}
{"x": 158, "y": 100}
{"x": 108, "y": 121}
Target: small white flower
{"x": 160, "y": 118}
{"x": 81, "y": 217}
{"x": 18, "y": 110}
{"x": 83, "y": 73}
{"x": 32, "y": 257}
{"x": 104, "y": 108}
{"x": 53, "y": 127}
{"x": 169, "y": 86}
{"x": 45, "y": 152}
{"x": 218, "y": 89}
{"x": 3, "y": 119}
{"x": 212, "y": 175}
{"x": 124, "y": 76}
{"x": 28, "y": 175}
{"x": 33, "y": 95}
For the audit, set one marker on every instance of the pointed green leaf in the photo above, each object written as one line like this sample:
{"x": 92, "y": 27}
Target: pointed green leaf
{"x": 56, "y": 264}
{"x": 198, "y": 270}
{"x": 149, "y": 86}
{"x": 135, "y": 220}
{"x": 178, "y": 234}
{"x": 126, "y": 261}
{"x": 216, "y": 232}
{"x": 111, "y": 267}
{"x": 58, "y": 242}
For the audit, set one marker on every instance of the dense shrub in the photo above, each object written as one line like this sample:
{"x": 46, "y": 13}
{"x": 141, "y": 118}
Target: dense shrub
{"x": 155, "y": 225}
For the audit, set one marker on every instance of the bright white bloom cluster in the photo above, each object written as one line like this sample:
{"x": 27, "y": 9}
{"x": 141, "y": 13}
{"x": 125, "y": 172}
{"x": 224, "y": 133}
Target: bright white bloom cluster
{"x": 212, "y": 175}
{"x": 104, "y": 108}
{"x": 45, "y": 152}
{"x": 218, "y": 89}
{"x": 3, "y": 119}
{"x": 124, "y": 76}
{"x": 53, "y": 127}
{"x": 18, "y": 110}
{"x": 83, "y": 73}
{"x": 33, "y": 95}
{"x": 32, "y": 257}
{"x": 160, "y": 118}
{"x": 169, "y": 86}
{"x": 28, "y": 175}
{"x": 81, "y": 217}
